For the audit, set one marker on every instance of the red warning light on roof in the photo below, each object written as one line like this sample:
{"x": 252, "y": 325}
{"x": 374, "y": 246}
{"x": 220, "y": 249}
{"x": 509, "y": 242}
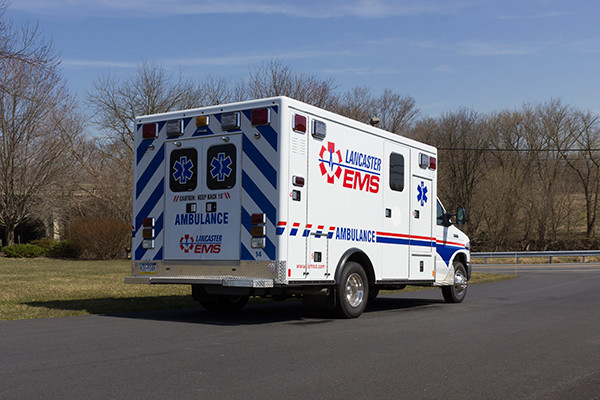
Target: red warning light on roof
{"x": 149, "y": 131}
{"x": 261, "y": 116}
{"x": 299, "y": 123}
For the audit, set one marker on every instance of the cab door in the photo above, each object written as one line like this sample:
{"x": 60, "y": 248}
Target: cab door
{"x": 202, "y": 187}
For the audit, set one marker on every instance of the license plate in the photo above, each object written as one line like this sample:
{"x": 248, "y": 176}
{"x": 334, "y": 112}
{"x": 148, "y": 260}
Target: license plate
{"x": 147, "y": 268}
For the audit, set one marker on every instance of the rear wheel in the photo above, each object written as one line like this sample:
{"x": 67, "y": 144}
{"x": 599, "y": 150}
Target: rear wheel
{"x": 352, "y": 291}
{"x": 456, "y": 292}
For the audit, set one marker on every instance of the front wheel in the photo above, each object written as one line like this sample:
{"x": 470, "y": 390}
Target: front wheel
{"x": 352, "y": 291}
{"x": 456, "y": 292}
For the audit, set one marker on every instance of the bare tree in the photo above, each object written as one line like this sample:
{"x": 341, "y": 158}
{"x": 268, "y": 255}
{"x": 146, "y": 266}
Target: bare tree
{"x": 273, "y": 78}
{"x": 396, "y": 112}
{"x": 580, "y": 149}
{"x": 152, "y": 89}
{"x": 33, "y": 99}
{"x": 358, "y": 104}
{"x": 108, "y": 162}
{"x": 460, "y": 138}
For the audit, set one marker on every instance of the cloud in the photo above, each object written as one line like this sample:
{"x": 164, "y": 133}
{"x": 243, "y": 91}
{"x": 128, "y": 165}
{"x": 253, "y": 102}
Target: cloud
{"x": 495, "y": 48}
{"x": 291, "y": 8}
{"x": 97, "y": 64}
{"x": 544, "y": 15}
{"x": 233, "y": 60}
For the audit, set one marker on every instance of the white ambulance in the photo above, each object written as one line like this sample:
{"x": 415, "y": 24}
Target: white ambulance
{"x": 278, "y": 198}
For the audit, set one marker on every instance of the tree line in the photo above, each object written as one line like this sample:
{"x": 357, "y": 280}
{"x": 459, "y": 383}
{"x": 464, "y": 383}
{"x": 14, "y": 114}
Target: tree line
{"x": 529, "y": 176}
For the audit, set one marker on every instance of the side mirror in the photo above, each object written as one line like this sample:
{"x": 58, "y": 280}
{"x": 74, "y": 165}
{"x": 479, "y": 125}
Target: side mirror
{"x": 445, "y": 217}
{"x": 461, "y": 216}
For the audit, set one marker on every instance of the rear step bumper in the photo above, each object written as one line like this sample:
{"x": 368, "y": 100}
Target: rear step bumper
{"x": 232, "y": 281}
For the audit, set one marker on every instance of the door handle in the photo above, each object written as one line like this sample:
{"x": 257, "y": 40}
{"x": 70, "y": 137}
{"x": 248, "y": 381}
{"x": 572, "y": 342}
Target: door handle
{"x": 388, "y": 213}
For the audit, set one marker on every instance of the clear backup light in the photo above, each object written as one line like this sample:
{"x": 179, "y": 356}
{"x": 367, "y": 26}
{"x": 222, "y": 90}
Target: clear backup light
{"x": 230, "y": 121}
{"x": 319, "y": 129}
{"x": 261, "y": 116}
{"x": 174, "y": 128}
{"x": 423, "y": 160}
{"x": 299, "y": 123}
{"x": 149, "y": 131}
{"x": 148, "y": 244}
{"x": 259, "y": 242}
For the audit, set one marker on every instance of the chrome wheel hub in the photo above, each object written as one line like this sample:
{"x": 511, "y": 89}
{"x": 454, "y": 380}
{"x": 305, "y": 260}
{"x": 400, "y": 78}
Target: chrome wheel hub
{"x": 355, "y": 290}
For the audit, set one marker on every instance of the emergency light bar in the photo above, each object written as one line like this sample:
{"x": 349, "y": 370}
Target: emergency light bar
{"x": 426, "y": 161}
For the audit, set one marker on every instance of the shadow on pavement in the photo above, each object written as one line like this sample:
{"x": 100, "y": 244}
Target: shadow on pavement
{"x": 184, "y": 309}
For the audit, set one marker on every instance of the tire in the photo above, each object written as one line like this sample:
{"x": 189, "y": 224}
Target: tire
{"x": 456, "y": 293}
{"x": 373, "y": 293}
{"x": 218, "y": 303}
{"x": 352, "y": 291}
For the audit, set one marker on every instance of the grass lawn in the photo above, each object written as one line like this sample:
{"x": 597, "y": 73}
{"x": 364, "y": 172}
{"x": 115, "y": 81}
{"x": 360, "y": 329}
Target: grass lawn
{"x": 42, "y": 288}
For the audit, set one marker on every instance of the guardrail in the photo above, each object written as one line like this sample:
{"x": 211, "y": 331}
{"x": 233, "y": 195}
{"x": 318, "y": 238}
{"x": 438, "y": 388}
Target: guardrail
{"x": 527, "y": 254}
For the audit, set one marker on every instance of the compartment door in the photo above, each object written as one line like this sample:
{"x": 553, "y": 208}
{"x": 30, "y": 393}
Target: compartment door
{"x": 202, "y": 210}
{"x": 421, "y": 229}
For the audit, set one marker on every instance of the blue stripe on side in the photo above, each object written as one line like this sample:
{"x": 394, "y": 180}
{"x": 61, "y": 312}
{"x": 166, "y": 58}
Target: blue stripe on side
{"x": 246, "y": 220}
{"x": 270, "y": 249}
{"x": 259, "y": 198}
{"x": 150, "y": 204}
{"x": 245, "y": 254}
{"x": 141, "y": 149}
{"x": 446, "y": 252}
{"x": 391, "y": 240}
{"x": 150, "y": 171}
{"x": 158, "y": 225}
{"x": 159, "y": 254}
{"x": 269, "y": 134}
{"x": 279, "y": 231}
{"x": 260, "y": 161}
{"x": 405, "y": 241}
{"x": 139, "y": 253}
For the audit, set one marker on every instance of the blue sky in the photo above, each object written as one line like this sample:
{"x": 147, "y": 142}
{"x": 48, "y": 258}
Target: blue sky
{"x": 487, "y": 55}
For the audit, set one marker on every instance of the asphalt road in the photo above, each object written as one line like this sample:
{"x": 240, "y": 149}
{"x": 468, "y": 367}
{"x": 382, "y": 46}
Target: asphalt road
{"x": 535, "y": 337}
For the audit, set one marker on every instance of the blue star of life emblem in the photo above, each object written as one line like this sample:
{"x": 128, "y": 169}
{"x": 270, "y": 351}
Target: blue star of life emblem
{"x": 183, "y": 170}
{"x": 221, "y": 167}
{"x": 422, "y": 195}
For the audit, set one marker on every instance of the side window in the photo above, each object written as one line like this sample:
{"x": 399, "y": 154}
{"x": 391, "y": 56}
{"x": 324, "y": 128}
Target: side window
{"x": 184, "y": 170}
{"x": 440, "y": 212}
{"x": 396, "y": 172}
{"x": 221, "y": 167}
